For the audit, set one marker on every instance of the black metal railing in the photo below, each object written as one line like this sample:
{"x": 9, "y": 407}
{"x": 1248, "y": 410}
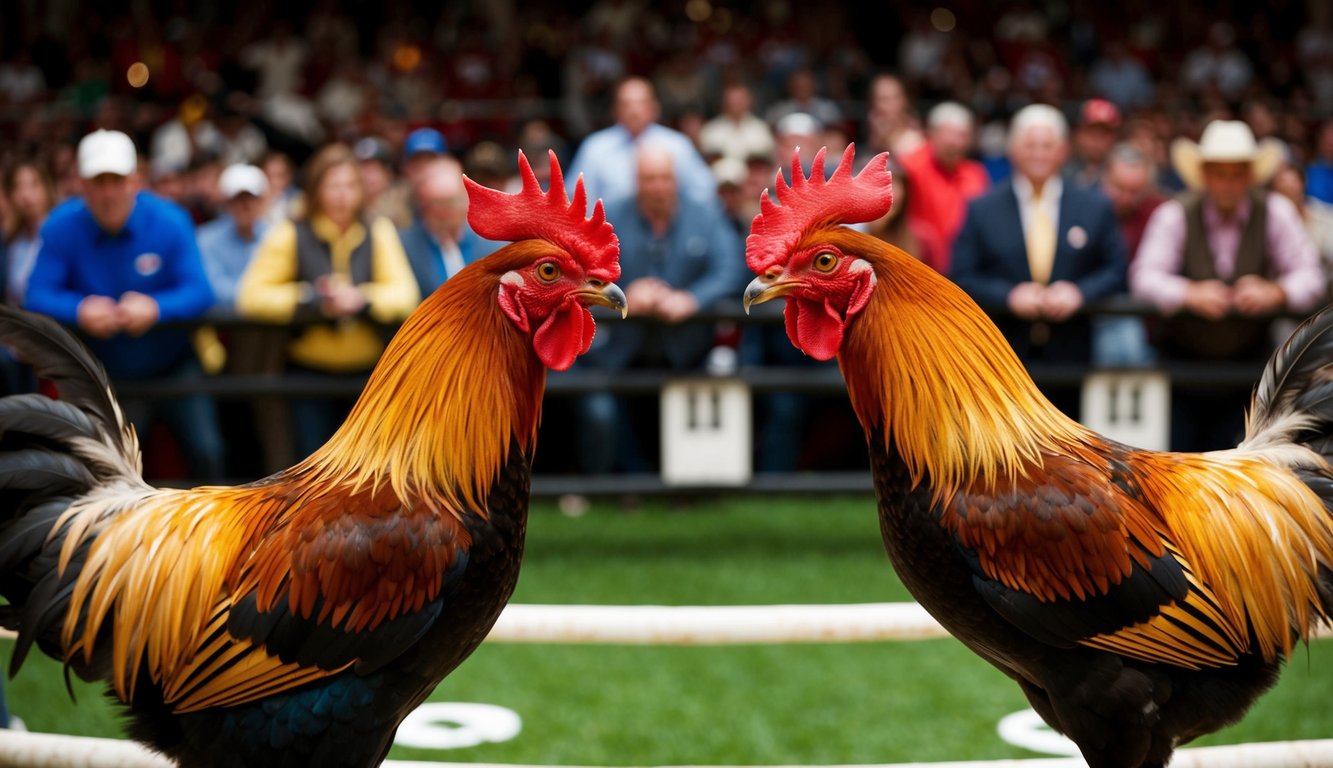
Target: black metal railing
{"x": 813, "y": 380}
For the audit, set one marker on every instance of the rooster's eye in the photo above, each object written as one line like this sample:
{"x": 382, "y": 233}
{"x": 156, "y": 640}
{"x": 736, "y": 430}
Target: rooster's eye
{"x": 826, "y": 261}
{"x": 548, "y": 272}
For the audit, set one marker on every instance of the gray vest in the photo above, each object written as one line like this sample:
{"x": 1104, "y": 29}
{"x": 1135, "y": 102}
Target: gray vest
{"x": 314, "y": 259}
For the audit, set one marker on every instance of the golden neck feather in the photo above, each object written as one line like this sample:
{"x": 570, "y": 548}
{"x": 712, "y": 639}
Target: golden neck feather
{"x": 928, "y": 371}
{"x": 456, "y": 385}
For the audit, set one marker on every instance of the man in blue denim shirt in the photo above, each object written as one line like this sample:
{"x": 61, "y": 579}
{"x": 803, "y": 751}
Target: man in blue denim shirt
{"x": 227, "y": 242}
{"x": 677, "y": 256}
{"x": 117, "y": 262}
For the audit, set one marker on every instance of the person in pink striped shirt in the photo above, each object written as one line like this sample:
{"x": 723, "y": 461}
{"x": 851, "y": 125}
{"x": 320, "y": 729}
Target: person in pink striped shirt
{"x": 1219, "y": 261}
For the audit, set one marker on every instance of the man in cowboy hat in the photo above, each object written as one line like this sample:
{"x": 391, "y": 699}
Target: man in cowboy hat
{"x": 1226, "y": 254}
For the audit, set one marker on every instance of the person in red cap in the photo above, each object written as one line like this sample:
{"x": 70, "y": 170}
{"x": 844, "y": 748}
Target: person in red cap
{"x": 1097, "y": 131}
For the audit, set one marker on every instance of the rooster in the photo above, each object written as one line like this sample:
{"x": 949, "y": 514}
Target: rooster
{"x": 1139, "y": 599}
{"x": 298, "y": 619}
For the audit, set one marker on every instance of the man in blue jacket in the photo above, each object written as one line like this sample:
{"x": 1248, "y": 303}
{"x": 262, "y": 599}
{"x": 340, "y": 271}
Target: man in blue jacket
{"x": 1042, "y": 249}
{"x": 118, "y": 262}
{"x": 677, "y": 256}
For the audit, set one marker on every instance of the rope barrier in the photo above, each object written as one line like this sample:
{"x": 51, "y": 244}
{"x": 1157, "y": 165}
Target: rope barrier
{"x": 718, "y": 624}
{"x": 44, "y": 750}
{"x": 714, "y": 625}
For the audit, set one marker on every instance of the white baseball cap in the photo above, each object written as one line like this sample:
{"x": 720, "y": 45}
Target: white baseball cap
{"x": 242, "y": 179}
{"x": 107, "y": 152}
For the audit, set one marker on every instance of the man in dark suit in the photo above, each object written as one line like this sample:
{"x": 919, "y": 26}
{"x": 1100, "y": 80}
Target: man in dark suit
{"x": 1041, "y": 249}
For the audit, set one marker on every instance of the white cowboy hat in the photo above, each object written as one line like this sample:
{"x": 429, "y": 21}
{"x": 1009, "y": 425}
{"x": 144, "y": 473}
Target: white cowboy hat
{"x": 1226, "y": 141}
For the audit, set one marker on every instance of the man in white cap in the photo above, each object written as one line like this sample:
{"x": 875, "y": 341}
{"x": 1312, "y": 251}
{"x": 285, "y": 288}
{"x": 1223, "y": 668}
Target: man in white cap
{"x": 116, "y": 262}
{"x": 1226, "y": 254}
{"x": 227, "y": 242}
{"x": 226, "y": 245}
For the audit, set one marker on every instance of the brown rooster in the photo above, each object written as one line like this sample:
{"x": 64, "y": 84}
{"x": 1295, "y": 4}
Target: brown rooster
{"x": 296, "y": 620}
{"x": 1139, "y": 599}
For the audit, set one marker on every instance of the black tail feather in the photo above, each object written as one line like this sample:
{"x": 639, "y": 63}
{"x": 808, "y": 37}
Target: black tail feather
{"x": 57, "y": 355}
{"x": 26, "y": 535}
{"x": 40, "y": 416}
{"x": 52, "y": 473}
{"x": 1295, "y": 381}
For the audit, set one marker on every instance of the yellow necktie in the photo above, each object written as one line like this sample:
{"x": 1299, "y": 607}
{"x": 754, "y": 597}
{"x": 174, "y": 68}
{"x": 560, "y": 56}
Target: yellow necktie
{"x": 1040, "y": 241}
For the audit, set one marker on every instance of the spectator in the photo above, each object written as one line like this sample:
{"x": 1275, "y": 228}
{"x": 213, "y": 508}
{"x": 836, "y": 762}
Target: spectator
{"x": 375, "y": 161}
{"x": 1289, "y": 181}
{"x": 1041, "y": 248}
{"x": 803, "y": 96}
{"x": 736, "y": 133}
{"x": 730, "y": 174}
{"x": 169, "y": 180}
{"x": 890, "y": 124}
{"x": 282, "y": 192}
{"x": 1097, "y": 131}
{"x": 30, "y": 195}
{"x": 1218, "y": 68}
{"x": 440, "y": 242}
{"x": 1319, "y": 173}
{"x": 391, "y": 197}
{"x": 419, "y": 148}
{"x": 607, "y": 157}
{"x": 278, "y": 61}
{"x": 1128, "y": 184}
{"x": 330, "y": 267}
{"x": 118, "y": 262}
{"x": 1226, "y": 254}
{"x": 1121, "y": 78}
{"x": 676, "y": 257}
{"x": 227, "y": 243}
{"x": 797, "y": 131}
{"x": 201, "y": 187}
{"x": 900, "y": 229}
{"x": 942, "y": 174}
{"x": 490, "y": 164}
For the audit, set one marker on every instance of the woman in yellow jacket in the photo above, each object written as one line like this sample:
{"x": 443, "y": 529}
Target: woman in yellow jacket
{"x": 332, "y": 270}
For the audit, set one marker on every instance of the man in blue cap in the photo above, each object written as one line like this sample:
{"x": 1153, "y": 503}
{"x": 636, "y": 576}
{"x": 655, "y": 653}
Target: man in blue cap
{"x": 420, "y": 147}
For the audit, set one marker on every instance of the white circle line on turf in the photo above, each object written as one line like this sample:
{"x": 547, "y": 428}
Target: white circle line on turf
{"x": 457, "y": 725}
{"x": 1026, "y": 729}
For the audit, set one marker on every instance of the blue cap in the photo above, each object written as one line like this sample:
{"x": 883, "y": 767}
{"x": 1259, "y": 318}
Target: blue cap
{"x": 424, "y": 140}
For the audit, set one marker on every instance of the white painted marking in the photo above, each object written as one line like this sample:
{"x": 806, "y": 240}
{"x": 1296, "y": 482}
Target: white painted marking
{"x": 451, "y": 725}
{"x": 1026, "y": 729}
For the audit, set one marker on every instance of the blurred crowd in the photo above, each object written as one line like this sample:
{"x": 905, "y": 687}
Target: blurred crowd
{"x": 302, "y": 166}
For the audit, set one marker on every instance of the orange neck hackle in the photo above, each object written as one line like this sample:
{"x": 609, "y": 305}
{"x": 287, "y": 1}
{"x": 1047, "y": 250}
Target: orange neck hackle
{"x": 930, "y": 374}
{"x": 456, "y": 386}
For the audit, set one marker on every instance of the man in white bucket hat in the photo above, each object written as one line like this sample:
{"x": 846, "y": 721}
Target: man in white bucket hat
{"x": 1226, "y": 254}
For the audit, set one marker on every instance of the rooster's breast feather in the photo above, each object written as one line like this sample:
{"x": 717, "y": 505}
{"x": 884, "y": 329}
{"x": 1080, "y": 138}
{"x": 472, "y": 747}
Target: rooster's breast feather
{"x": 1073, "y": 555}
{"x": 312, "y": 583}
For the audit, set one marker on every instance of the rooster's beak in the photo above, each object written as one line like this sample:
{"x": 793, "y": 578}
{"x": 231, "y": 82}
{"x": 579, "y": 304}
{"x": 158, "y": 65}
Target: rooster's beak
{"x": 766, "y": 288}
{"x": 608, "y": 295}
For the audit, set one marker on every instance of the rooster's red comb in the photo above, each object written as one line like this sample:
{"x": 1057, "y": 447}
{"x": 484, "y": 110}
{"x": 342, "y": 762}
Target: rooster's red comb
{"x": 810, "y": 201}
{"x": 531, "y": 214}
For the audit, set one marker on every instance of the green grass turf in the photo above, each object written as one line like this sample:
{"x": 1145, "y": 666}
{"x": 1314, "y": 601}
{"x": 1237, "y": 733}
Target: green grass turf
{"x": 604, "y": 705}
